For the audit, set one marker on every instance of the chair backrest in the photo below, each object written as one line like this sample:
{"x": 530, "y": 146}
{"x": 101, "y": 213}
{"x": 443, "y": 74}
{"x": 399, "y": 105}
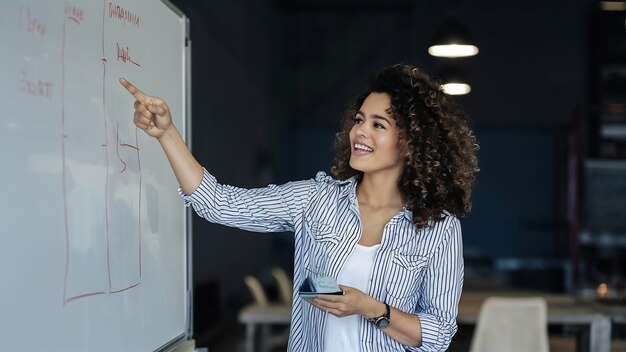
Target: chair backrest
{"x": 256, "y": 290}
{"x": 511, "y": 325}
{"x": 285, "y": 285}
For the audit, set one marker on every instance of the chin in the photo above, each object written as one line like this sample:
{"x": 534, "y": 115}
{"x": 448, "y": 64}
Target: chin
{"x": 352, "y": 165}
{"x": 356, "y": 166}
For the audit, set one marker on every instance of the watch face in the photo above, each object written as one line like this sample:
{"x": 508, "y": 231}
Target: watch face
{"x": 382, "y": 323}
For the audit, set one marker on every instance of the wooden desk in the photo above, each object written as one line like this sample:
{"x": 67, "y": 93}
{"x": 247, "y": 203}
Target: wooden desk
{"x": 264, "y": 316}
{"x": 562, "y": 310}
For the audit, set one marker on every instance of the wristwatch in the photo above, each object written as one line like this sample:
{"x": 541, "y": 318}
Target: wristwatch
{"x": 382, "y": 321}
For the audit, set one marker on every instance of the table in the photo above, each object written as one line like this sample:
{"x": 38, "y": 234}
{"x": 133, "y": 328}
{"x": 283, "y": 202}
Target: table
{"x": 617, "y": 312}
{"x": 264, "y": 316}
{"x": 562, "y": 310}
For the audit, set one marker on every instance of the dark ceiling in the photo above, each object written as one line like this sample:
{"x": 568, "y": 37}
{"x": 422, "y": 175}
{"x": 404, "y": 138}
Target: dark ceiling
{"x": 534, "y": 67}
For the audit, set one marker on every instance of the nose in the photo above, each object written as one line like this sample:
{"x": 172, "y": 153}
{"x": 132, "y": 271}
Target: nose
{"x": 362, "y": 130}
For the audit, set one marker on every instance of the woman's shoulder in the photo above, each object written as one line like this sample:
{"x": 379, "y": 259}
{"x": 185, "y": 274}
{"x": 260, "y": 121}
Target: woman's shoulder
{"x": 327, "y": 180}
{"x": 325, "y": 184}
{"x": 446, "y": 222}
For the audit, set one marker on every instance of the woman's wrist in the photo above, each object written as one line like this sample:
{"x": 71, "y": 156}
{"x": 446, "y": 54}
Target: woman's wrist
{"x": 373, "y": 309}
{"x": 169, "y": 135}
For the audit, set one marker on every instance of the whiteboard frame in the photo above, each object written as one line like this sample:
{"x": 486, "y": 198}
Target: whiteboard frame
{"x": 189, "y": 213}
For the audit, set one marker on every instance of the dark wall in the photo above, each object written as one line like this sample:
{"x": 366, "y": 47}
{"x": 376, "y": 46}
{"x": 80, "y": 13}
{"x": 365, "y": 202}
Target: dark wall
{"x": 270, "y": 79}
{"x": 533, "y": 62}
{"x": 230, "y": 131}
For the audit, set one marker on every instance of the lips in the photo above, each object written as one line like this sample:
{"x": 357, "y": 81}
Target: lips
{"x": 361, "y": 148}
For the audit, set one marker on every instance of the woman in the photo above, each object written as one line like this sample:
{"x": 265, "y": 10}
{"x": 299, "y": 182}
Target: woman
{"x": 386, "y": 226}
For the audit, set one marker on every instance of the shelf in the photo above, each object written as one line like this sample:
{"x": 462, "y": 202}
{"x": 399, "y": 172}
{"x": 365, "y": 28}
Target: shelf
{"x": 603, "y": 239}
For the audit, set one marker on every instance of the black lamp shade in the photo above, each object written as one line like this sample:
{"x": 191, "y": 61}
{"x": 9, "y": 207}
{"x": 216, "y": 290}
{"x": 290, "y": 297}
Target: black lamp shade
{"x": 452, "y": 40}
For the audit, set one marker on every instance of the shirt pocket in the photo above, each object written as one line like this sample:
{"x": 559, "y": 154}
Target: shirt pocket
{"x": 323, "y": 241}
{"x": 405, "y": 275}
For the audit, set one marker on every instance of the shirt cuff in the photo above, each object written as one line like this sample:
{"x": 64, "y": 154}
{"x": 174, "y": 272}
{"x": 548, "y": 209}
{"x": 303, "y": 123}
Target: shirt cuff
{"x": 431, "y": 329}
{"x": 206, "y": 188}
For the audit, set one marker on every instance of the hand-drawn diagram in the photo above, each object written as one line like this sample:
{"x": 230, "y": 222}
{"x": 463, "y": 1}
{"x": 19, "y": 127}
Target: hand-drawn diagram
{"x": 101, "y": 166}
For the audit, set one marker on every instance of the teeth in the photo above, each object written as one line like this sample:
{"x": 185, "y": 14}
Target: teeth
{"x": 363, "y": 147}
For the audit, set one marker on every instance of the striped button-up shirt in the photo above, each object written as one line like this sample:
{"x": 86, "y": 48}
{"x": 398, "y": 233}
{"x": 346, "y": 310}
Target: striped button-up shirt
{"x": 416, "y": 271}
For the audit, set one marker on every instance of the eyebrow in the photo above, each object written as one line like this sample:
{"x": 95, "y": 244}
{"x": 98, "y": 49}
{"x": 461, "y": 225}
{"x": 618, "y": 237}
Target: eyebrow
{"x": 376, "y": 116}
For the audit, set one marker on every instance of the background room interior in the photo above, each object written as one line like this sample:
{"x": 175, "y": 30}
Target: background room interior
{"x": 271, "y": 78}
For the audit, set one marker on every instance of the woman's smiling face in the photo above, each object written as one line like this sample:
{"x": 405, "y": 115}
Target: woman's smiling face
{"x": 374, "y": 138}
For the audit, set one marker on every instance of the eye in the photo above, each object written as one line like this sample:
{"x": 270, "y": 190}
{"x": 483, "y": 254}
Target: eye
{"x": 357, "y": 120}
{"x": 378, "y": 125}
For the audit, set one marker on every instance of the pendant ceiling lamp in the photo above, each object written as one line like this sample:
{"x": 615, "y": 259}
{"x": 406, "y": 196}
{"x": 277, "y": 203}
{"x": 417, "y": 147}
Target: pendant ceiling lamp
{"x": 452, "y": 40}
{"x": 453, "y": 82}
{"x": 458, "y": 88}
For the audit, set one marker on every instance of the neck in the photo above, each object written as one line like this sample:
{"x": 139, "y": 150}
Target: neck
{"x": 379, "y": 191}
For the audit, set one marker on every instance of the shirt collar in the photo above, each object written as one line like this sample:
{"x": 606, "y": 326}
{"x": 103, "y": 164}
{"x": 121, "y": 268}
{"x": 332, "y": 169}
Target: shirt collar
{"x": 407, "y": 213}
{"x": 348, "y": 188}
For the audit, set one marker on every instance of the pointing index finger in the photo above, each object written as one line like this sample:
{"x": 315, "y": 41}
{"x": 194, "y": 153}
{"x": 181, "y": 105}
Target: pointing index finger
{"x": 139, "y": 95}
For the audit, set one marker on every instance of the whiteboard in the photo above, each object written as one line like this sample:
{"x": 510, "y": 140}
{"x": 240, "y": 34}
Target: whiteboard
{"x": 93, "y": 242}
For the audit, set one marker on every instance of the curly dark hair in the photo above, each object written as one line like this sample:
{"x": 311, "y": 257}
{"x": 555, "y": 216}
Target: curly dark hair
{"x": 435, "y": 136}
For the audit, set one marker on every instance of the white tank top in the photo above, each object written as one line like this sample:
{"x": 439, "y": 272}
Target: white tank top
{"x": 342, "y": 334}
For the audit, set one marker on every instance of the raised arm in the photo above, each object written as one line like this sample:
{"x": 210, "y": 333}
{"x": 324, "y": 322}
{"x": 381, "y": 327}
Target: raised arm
{"x": 153, "y": 116}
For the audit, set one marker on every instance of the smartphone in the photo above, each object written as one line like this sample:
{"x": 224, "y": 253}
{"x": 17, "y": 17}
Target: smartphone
{"x": 324, "y": 285}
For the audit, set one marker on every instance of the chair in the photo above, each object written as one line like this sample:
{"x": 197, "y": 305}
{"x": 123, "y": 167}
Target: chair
{"x": 511, "y": 325}
{"x": 256, "y": 290}
{"x": 265, "y": 315}
{"x": 285, "y": 285}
